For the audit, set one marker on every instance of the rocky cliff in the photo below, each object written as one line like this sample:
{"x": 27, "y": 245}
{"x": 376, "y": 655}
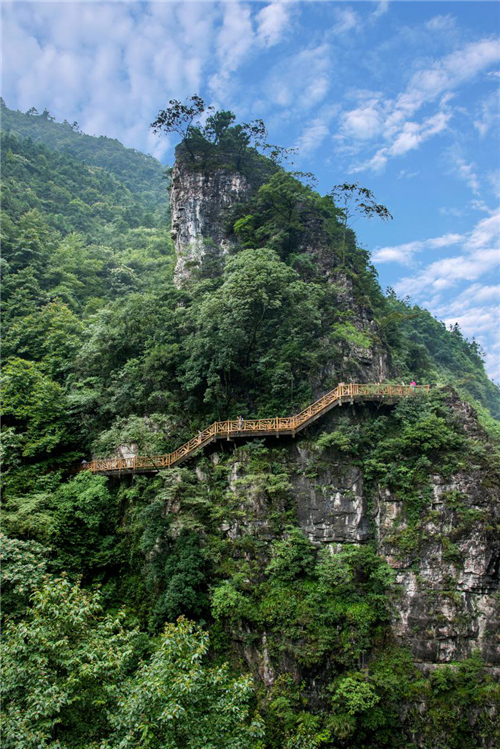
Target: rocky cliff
{"x": 200, "y": 204}
{"x": 445, "y": 604}
{"x": 416, "y": 486}
{"x": 446, "y": 563}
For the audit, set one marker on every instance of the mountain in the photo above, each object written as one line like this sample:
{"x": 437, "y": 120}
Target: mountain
{"x": 143, "y": 175}
{"x": 347, "y": 576}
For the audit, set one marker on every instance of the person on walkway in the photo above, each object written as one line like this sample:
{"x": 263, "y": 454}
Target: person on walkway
{"x": 240, "y": 422}
{"x": 84, "y": 464}
{"x": 413, "y": 384}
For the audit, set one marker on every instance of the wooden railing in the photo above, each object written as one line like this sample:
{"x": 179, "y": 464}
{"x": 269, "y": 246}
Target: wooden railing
{"x": 288, "y": 425}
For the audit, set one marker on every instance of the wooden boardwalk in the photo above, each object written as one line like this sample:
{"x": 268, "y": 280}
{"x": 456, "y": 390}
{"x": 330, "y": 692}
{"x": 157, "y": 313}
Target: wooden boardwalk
{"x": 232, "y": 429}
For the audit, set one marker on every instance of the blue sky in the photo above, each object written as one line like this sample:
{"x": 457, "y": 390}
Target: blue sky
{"x": 400, "y": 96}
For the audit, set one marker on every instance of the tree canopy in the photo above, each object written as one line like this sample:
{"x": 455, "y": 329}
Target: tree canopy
{"x": 210, "y": 138}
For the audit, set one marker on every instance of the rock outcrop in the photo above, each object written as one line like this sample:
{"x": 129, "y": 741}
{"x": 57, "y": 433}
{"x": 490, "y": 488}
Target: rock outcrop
{"x": 447, "y": 569}
{"x": 446, "y": 596}
{"x": 200, "y": 203}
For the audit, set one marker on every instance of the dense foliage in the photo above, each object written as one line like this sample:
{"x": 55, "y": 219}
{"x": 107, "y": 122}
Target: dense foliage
{"x": 144, "y": 602}
{"x": 424, "y": 348}
{"x": 136, "y": 171}
{"x": 212, "y": 139}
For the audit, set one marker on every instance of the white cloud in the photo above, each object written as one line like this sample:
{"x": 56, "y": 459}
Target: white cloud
{"x": 301, "y": 81}
{"x": 449, "y": 73}
{"x": 272, "y": 21}
{"x": 477, "y": 311}
{"x": 486, "y": 232}
{"x": 404, "y": 253}
{"x": 445, "y": 241}
{"x": 452, "y": 289}
{"x": 315, "y": 131}
{"x": 492, "y": 364}
{"x": 476, "y": 321}
{"x": 381, "y": 9}
{"x": 236, "y": 35}
{"x": 405, "y": 174}
{"x": 312, "y": 137}
{"x": 345, "y": 19}
{"x": 363, "y": 122}
{"x": 477, "y": 294}
{"x": 447, "y": 272}
{"x": 393, "y": 120}
{"x": 460, "y": 168}
{"x": 478, "y": 205}
{"x": 411, "y": 136}
{"x": 451, "y": 211}
{"x": 466, "y": 172}
{"x": 489, "y": 114}
{"x": 112, "y": 66}
{"x": 481, "y": 255}
{"x": 493, "y": 178}
{"x": 441, "y": 23}
{"x": 105, "y": 65}
{"x": 234, "y": 41}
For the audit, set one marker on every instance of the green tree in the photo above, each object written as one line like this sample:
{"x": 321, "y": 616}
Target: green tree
{"x": 176, "y": 700}
{"x": 251, "y": 330}
{"x": 51, "y": 335}
{"x": 24, "y": 566}
{"x": 35, "y": 406}
{"x": 278, "y": 215}
{"x": 183, "y": 579}
{"x": 30, "y": 247}
{"x": 61, "y": 668}
{"x": 85, "y": 516}
{"x": 218, "y": 141}
{"x": 356, "y": 201}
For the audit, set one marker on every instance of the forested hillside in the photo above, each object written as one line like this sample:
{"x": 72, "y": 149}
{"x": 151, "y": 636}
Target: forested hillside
{"x": 140, "y": 173}
{"x": 337, "y": 591}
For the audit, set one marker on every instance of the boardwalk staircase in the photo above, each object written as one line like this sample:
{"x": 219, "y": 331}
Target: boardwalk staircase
{"x": 235, "y": 429}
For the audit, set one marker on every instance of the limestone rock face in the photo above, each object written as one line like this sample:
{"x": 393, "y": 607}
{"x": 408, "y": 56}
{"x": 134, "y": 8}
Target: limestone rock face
{"x": 334, "y": 509}
{"x": 448, "y": 572}
{"x": 200, "y": 202}
{"x": 449, "y": 582}
{"x": 447, "y": 603}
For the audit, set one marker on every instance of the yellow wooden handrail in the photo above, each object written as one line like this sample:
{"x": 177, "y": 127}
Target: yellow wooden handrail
{"x": 285, "y": 425}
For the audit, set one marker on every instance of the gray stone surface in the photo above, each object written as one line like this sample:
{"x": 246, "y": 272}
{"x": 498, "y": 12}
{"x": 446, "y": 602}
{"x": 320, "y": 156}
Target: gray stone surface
{"x": 447, "y": 602}
{"x": 200, "y": 203}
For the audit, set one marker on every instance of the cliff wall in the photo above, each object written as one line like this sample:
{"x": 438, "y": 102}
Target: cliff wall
{"x": 311, "y": 544}
{"x": 446, "y": 604}
{"x": 200, "y": 203}
{"x": 427, "y": 506}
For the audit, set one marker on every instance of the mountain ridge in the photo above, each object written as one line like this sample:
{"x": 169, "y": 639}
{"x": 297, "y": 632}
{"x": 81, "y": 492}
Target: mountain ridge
{"x": 142, "y": 174}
